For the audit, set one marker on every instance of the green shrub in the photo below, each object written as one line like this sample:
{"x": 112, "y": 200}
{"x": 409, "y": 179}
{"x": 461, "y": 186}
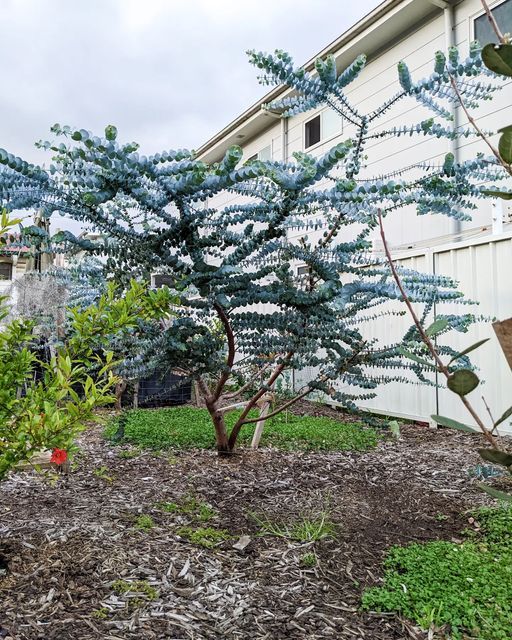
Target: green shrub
{"x": 190, "y": 427}
{"x": 466, "y": 587}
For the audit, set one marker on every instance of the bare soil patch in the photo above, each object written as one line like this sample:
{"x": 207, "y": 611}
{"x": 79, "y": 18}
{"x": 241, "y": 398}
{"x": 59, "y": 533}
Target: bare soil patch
{"x": 63, "y": 545}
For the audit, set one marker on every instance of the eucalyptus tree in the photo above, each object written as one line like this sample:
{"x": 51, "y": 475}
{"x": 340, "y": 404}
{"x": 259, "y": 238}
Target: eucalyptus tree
{"x": 245, "y": 318}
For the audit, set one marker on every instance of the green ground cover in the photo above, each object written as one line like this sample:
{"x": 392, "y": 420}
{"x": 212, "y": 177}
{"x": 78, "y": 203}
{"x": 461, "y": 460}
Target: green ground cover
{"x": 191, "y": 427}
{"x": 464, "y": 589}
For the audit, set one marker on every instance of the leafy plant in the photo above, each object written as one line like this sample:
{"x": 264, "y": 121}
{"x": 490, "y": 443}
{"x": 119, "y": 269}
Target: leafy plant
{"x": 461, "y": 588}
{"x": 207, "y": 537}
{"x": 103, "y": 473}
{"x": 45, "y": 403}
{"x": 122, "y": 587}
{"x": 144, "y": 522}
{"x": 189, "y": 427}
{"x": 189, "y": 505}
{"x": 246, "y": 317}
{"x": 308, "y": 560}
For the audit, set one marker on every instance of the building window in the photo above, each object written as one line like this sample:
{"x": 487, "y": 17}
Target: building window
{"x": 263, "y": 154}
{"x": 303, "y": 271}
{"x": 312, "y": 132}
{"x": 5, "y": 271}
{"x": 483, "y": 30}
{"x": 163, "y": 280}
{"x": 325, "y": 125}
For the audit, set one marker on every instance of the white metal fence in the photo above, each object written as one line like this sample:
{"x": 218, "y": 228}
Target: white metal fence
{"x": 483, "y": 268}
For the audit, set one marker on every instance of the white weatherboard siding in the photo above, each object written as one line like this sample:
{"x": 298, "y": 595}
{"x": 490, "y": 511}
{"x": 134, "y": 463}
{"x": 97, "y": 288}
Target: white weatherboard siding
{"x": 480, "y": 261}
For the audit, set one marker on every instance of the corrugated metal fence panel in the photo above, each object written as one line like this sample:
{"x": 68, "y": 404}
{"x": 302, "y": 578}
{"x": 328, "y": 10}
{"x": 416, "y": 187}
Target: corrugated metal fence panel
{"x": 483, "y": 269}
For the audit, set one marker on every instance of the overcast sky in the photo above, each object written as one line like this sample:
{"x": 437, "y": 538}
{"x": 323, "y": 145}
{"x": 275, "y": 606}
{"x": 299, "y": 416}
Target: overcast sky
{"x": 167, "y": 73}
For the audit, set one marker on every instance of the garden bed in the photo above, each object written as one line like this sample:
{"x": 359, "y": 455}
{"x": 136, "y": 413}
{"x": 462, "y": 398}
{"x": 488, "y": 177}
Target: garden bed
{"x": 115, "y": 549}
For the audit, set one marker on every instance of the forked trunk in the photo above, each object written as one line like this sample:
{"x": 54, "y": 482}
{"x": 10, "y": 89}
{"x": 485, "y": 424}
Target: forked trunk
{"x": 221, "y": 434}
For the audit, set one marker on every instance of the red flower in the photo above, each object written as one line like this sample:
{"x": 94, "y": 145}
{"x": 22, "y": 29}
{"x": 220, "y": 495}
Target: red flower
{"x": 59, "y": 456}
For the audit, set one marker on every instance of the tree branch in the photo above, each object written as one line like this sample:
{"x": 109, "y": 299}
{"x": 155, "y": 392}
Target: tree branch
{"x": 247, "y": 385}
{"x": 231, "y": 352}
{"x": 252, "y": 402}
{"x": 474, "y": 124}
{"x": 493, "y": 22}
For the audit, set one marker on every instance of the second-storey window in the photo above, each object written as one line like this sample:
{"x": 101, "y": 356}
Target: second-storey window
{"x": 263, "y": 154}
{"x": 483, "y": 31}
{"x": 5, "y": 271}
{"x": 322, "y": 127}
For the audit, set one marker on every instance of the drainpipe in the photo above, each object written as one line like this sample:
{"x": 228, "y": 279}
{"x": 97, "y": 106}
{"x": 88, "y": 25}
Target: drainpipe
{"x": 284, "y": 139}
{"x": 450, "y": 41}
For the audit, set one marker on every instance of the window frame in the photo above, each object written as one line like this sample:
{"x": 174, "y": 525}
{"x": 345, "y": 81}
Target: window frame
{"x": 322, "y": 140}
{"x": 11, "y": 271}
{"x": 474, "y": 17}
{"x": 256, "y": 156}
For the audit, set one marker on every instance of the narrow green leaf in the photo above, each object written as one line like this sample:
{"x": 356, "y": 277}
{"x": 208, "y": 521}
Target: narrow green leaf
{"x": 452, "y": 424}
{"x": 496, "y": 457}
{"x": 504, "y": 195}
{"x": 463, "y": 381}
{"x": 505, "y": 146}
{"x": 498, "y": 58}
{"x": 499, "y": 495}
{"x": 506, "y": 415}
{"x": 469, "y": 349}
{"x": 414, "y": 357}
{"x": 436, "y": 327}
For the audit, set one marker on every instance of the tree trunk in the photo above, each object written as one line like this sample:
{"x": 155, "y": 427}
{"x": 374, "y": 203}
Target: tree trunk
{"x": 120, "y": 389}
{"x": 221, "y": 434}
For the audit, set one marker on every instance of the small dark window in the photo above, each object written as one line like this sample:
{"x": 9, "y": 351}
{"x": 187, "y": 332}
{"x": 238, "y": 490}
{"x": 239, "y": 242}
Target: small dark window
{"x": 484, "y": 32}
{"x": 5, "y": 271}
{"x": 163, "y": 279}
{"x": 312, "y": 132}
{"x": 303, "y": 271}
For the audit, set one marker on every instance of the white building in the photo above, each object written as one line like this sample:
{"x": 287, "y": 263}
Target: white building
{"x": 13, "y": 263}
{"x": 477, "y": 253}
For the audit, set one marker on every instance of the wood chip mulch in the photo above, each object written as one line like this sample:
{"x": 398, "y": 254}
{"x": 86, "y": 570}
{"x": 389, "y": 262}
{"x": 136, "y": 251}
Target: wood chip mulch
{"x": 64, "y": 544}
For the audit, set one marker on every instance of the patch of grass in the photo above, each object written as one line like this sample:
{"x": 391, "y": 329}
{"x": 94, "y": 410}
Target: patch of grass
{"x": 144, "y": 523}
{"x": 464, "y": 588}
{"x": 191, "y": 427}
{"x": 128, "y": 454}
{"x": 190, "y": 506}
{"x": 307, "y": 529}
{"x": 308, "y": 560}
{"x": 100, "y": 614}
{"x": 102, "y": 472}
{"x": 204, "y": 536}
{"x": 121, "y": 587}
